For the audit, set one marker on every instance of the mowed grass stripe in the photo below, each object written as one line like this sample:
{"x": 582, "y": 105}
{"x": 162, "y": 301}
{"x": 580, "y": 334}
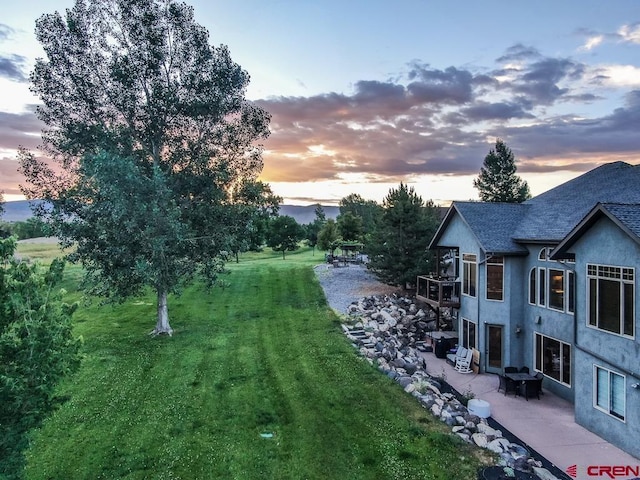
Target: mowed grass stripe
{"x": 264, "y": 355}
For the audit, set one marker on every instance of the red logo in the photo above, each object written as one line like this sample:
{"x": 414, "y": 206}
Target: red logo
{"x": 607, "y": 471}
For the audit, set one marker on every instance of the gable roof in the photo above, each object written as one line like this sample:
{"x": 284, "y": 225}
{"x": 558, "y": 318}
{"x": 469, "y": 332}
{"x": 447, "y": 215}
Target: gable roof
{"x": 490, "y": 223}
{"x": 553, "y": 214}
{"x": 625, "y": 216}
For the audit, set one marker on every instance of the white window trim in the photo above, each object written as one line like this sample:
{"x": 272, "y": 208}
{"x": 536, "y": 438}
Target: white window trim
{"x": 595, "y": 392}
{"x": 464, "y": 275}
{"x": 536, "y": 353}
{"x": 486, "y": 276}
{"x": 564, "y": 286}
{"x": 588, "y": 299}
{"x": 533, "y": 270}
{"x": 542, "y": 274}
{"x": 475, "y": 337}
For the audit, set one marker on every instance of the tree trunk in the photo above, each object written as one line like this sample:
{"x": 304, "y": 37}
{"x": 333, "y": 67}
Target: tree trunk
{"x": 162, "y": 325}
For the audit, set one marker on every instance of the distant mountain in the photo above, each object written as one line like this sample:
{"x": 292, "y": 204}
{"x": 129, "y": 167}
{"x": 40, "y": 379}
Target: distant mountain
{"x": 19, "y": 211}
{"x": 307, "y": 214}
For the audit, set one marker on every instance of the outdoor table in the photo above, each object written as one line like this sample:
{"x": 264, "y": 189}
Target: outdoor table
{"x": 521, "y": 378}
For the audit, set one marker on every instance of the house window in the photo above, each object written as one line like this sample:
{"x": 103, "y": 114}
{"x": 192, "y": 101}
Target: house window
{"x": 610, "y": 291}
{"x": 542, "y": 256}
{"x": 609, "y": 392}
{"x": 468, "y": 334}
{"x": 542, "y": 286}
{"x": 553, "y": 358}
{"x": 532, "y": 285}
{"x": 495, "y": 278}
{"x": 556, "y": 289}
{"x": 571, "y": 296}
{"x": 469, "y": 273}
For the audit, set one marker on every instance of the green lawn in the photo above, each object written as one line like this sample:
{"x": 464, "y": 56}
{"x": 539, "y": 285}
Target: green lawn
{"x": 263, "y": 357}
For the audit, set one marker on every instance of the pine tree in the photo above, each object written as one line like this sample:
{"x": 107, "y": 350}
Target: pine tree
{"x": 497, "y": 181}
{"x": 399, "y": 251}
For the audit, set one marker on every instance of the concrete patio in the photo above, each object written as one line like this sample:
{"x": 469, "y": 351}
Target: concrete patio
{"x": 546, "y": 425}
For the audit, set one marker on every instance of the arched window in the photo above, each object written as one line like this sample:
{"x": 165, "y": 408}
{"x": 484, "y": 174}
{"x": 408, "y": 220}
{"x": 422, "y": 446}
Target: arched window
{"x": 532, "y": 285}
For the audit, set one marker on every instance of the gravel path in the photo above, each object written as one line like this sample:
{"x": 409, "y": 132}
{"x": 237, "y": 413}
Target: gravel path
{"x": 344, "y": 285}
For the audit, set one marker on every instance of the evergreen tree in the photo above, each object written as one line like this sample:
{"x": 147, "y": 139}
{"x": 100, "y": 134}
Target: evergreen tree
{"x": 368, "y": 210}
{"x": 497, "y": 181}
{"x": 313, "y": 229}
{"x": 398, "y": 251}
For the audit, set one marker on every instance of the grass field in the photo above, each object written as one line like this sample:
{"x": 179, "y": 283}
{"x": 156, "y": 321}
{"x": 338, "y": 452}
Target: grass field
{"x": 257, "y": 383}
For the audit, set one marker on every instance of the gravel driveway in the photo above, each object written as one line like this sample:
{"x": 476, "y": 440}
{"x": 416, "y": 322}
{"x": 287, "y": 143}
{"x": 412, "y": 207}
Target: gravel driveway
{"x": 344, "y": 285}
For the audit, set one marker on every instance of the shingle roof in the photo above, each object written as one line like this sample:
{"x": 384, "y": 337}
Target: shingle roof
{"x": 626, "y": 216}
{"x": 491, "y": 223}
{"x": 551, "y": 216}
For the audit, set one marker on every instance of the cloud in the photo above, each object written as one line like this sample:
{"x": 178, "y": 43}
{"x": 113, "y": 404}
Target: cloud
{"x": 6, "y": 32}
{"x": 431, "y": 121}
{"x": 13, "y": 67}
{"x": 444, "y": 121}
{"x": 630, "y": 33}
{"x": 19, "y": 129}
{"x": 592, "y": 42}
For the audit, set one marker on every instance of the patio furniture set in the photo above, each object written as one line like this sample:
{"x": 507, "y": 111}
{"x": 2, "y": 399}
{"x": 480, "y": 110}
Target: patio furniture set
{"x": 520, "y": 382}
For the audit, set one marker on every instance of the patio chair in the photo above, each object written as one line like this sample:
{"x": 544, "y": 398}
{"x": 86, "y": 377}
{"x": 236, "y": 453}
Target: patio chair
{"x": 531, "y": 388}
{"x": 510, "y": 369}
{"x": 524, "y": 370}
{"x": 452, "y": 358}
{"x": 507, "y": 385}
{"x": 463, "y": 365}
{"x": 539, "y": 376}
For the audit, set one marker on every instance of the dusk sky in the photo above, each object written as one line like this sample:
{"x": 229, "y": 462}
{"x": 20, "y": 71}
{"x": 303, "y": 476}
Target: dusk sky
{"x": 365, "y": 94}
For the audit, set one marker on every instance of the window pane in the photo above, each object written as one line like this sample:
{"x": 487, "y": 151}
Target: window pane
{"x": 566, "y": 364}
{"x": 469, "y": 274}
{"x": 556, "y": 289}
{"x": 609, "y": 305}
{"x": 593, "y": 302}
{"x": 532, "y": 286}
{"x": 538, "y": 353}
{"x": 551, "y": 358}
{"x": 543, "y": 286}
{"x": 571, "y": 301}
{"x": 628, "y": 309}
{"x": 494, "y": 281}
{"x": 617, "y": 395}
{"x": 602, "y": 388}
{"x": 472, "y": 335}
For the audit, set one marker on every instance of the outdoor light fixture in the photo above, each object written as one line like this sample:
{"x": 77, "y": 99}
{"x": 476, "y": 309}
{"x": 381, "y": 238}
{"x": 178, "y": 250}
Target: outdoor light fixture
{"x": 518, "y": 330}
{"x": 635, "y": 385}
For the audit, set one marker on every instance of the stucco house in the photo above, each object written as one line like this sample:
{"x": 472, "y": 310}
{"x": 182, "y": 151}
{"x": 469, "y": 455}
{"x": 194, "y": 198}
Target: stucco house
{"x": 551, "y": 284}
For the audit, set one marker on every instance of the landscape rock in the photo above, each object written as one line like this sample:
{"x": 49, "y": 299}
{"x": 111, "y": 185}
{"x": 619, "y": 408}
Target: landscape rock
{"x": 387, "y": 330}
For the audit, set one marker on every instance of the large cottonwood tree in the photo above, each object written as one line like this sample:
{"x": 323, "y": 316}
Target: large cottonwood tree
{"x": 151, "y": 145}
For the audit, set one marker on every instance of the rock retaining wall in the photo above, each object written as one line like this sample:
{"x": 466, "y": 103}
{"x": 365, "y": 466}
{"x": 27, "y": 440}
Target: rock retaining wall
{"x": 389, "y": 332}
